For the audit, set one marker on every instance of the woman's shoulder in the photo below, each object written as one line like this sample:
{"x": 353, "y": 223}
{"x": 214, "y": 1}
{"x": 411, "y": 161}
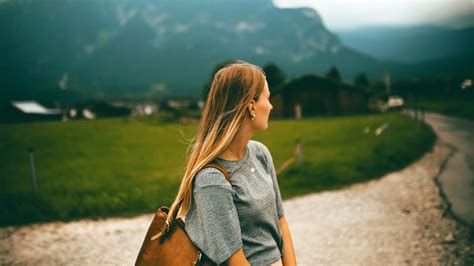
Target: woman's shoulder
{"x": 210, "y": 176}
{"x": 259, "y": 146}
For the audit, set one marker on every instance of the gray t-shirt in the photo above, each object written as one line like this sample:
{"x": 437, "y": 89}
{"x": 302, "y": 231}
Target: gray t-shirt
{"x": 225, "y": 217}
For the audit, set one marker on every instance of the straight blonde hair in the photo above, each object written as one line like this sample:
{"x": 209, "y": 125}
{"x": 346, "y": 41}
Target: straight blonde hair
{"x": 232, "y": 89}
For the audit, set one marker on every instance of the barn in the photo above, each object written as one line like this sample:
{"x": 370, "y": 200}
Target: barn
{"x": 311, "y": 95}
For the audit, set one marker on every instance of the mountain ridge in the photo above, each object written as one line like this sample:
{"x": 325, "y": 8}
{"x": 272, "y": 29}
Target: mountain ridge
{"x": 159, "y": 48}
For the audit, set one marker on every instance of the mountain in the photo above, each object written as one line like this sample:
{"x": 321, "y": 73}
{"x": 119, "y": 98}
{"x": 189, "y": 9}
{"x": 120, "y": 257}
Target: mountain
{"x": 460, "y": 22}
{"x": 69, "y": 49}
{"x": 410, "y": 44}
{"x": 151, "y": 47}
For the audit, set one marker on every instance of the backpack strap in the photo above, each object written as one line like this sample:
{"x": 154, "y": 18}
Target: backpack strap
{"x": 213, "y": 165}
{"x": 220, "y": 168}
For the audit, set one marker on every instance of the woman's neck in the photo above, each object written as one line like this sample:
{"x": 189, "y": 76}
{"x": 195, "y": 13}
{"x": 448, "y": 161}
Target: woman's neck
{"x": 238, "y": 146}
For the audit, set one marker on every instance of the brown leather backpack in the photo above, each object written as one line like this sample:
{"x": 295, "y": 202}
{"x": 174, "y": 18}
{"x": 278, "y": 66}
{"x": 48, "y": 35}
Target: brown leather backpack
{"x": 168, "y": 244}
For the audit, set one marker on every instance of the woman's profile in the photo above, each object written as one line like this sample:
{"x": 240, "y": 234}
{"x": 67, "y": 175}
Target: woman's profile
{"x": 239, "y": 222}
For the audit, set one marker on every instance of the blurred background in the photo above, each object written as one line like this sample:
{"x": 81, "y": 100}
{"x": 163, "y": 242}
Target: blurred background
{"x": 98, "y": 98}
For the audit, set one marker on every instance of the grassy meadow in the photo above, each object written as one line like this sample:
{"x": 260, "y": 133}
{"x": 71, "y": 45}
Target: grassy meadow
{"x": 127, "y": 166}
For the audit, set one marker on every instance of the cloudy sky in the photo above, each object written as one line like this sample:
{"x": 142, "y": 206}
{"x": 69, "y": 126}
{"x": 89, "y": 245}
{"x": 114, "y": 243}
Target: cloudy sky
{"x": 348, "y": 14}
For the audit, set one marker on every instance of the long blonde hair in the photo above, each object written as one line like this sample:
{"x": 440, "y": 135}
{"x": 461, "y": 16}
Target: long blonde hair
{"x": 232, "y": 89}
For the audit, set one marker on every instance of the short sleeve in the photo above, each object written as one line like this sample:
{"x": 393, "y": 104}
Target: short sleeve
{"x": 276, "y": 187}
{"x": 212, "y": 222}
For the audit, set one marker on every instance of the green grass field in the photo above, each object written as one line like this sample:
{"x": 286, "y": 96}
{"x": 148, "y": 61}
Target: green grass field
{"x": 124, "y": 167}
{"x": 462, "y": 109}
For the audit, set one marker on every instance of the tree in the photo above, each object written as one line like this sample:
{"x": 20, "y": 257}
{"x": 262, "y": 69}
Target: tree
{"x": 275, "y": 76}
{"x": 361, "y": 80}
{"x": 334, "y": 74}
{"x": 207, "y": 85}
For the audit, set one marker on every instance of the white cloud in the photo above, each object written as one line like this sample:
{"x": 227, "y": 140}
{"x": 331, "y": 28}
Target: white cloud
{"x": 346, "y": 14}
{"x": 181, "y": 27}
{"x": 246, "y": 26}
{"x": 89, "y": 48}
{"x": 124, "y": 15}
{"x": 335, "y": 49}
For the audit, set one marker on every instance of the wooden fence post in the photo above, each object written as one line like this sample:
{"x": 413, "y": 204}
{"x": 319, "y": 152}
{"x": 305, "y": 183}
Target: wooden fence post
{"x": 33, "y": 170}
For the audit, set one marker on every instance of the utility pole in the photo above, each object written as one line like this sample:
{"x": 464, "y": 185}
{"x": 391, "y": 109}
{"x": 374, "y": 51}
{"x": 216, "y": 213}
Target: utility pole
{"x": 386, "y": 79}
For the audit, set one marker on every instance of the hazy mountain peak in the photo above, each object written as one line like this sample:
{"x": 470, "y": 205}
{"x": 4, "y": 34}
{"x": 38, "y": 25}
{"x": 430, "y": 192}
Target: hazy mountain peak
{"x": 175, "y": 43}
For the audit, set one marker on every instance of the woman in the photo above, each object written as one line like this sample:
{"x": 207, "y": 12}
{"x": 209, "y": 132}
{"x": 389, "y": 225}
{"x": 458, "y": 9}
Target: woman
{"x": 241, "y": 222}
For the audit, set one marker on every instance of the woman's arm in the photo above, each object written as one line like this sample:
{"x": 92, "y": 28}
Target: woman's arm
{"x": 238, "y": 258}
{"x": 289, "y": 256}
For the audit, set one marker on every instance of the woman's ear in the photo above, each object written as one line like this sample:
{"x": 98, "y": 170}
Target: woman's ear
{"x": 251, "y": 107}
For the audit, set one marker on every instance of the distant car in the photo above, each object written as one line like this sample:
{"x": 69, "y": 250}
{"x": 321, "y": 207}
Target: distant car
{"x": 395, "y": 102}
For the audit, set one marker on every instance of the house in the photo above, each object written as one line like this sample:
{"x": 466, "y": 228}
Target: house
{"x": 25, "y": 111}
{"x": 311, "y": 95}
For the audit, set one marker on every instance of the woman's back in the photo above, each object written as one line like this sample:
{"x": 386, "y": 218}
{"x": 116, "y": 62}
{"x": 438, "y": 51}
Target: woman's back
{"x": 225, "y": 217}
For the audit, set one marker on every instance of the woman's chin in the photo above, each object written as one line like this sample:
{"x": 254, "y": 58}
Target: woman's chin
{"x": 261, "y": 127}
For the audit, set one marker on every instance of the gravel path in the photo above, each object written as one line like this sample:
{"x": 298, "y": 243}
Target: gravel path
{"x": 395, "y": 220}
{"x": 457, "y": 178}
